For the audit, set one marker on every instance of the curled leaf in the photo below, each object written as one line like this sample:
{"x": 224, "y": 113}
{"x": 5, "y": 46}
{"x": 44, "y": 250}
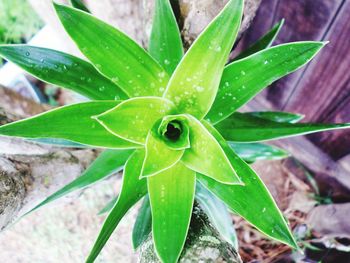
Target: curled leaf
{"x": 133, "y": 119}
{"x": 159, "y": 157}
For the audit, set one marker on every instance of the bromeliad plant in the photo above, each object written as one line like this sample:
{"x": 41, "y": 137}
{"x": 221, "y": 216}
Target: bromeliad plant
{"x": 170, "y": 120}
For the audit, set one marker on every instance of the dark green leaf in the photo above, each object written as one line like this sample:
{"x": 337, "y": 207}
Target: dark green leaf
{"x": 114, "y": 54}
{"x": 79, "y": 5}
{"x": 217, "y": 213}
{"x": 133, "y": 189}
{"x": 245, "y": 78}
{"x": 252, "y": 201}
{"x": 251, "y": 152}
{"x": 143, "y": 224}
{"x": 108, "y": 206}
{"x": 108, "y": 162}
{"x": 265, "y": 42}
{"x": 171, "y": 195}
{"x": 165, "y": 42}
{"x": 63, "y": 70}
{"x": 245, "y": 128}
{"x": 195, "y": 81}
{"x": 277, "y": 116}
{"x": 72, "y": 122}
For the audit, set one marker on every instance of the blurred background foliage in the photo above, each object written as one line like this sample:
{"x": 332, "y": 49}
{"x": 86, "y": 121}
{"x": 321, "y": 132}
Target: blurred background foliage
{"x": 18, "y": 21}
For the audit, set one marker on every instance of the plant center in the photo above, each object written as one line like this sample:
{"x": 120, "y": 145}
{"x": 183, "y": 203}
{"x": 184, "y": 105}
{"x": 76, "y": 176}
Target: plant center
{"x": 173, "y": 130}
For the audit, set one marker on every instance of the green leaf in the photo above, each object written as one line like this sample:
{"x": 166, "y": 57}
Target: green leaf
{"x": 108, "y": 206}
{"x": 171, "y": 195}
{"x": 277, "y": 116}
{"x": 195, "y": 81}
{"x": 252, "y": 152}
{"x": 143, "y": 224}
{"x": 79, "y": 5}
{"x": 217, "y": 213}
{"x": 265, "y": 42}
{"x": 245, "y": 78}
{"x": 59, "y": 143}
{"x": 72, "y": 122}
{"x": 159, "y": 157}
{"x": 133, "y": 189}
{"x": 133, "y": 119}
{"x": 63, "y": 70}
{"x": 251, "y": 201}
{"x": 107, "y": 163}
{"x": 114, "y": 54}
{"x": 165, "y": 42}
{"x": 245, "y": 128}
{"x": 206, "y": 156}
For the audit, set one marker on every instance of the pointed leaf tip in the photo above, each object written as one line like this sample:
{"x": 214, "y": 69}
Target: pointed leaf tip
{"x": 245, "y": 78}
{"x": 132, "y": 191}
{"x": 241, "y": 127}
{"x": 107, "y": 163}
{"x": 63, "y": 70}
{"x": 253, "y": 201}
{"x": 165, "y": 42}
{"x": 78, "y": 128}
{"x": 195, "y": 81}
{"x": 264, "y": 42}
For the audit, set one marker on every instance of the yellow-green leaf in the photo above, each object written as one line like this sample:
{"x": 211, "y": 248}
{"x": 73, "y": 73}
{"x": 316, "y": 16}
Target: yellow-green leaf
{"x": 159, "y": 157}
{"x": 206, "y": 156}
{"x": 195, "y": 81}
{"x": 132, "y": 119}
{"x": 171, "y": 195}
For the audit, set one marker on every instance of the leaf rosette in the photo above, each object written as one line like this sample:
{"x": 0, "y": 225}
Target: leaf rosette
{"x": 169, "y": 120}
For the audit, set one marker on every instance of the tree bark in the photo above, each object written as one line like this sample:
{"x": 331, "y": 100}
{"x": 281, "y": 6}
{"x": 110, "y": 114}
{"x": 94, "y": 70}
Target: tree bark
{"x": 29, "y": 172}
{"x": 203, "y": 244}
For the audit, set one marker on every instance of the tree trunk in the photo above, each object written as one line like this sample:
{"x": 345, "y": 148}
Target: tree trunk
{"x": 203, "y": 244}
{"x": 29, "y": 172}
